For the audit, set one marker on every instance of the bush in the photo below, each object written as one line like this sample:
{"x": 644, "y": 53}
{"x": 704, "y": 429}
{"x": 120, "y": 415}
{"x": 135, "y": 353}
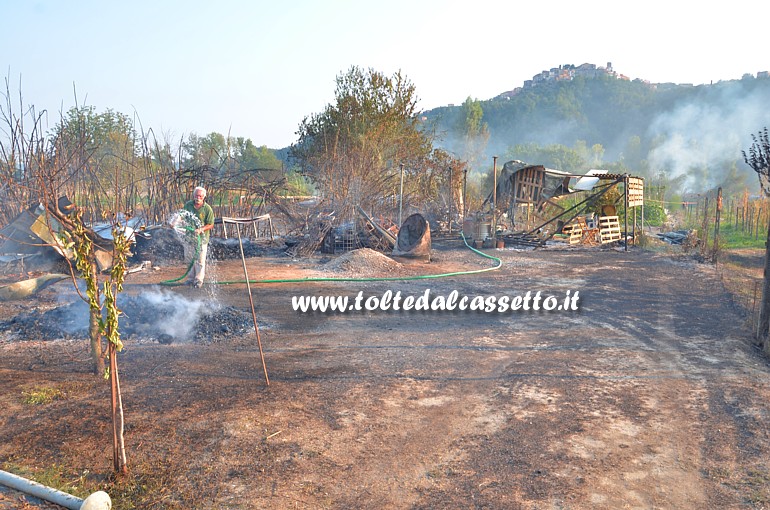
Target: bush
{"x": 654, "y": 214}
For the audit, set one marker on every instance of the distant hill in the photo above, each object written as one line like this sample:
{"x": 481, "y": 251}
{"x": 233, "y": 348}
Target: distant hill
{"x": 680, "y": 130}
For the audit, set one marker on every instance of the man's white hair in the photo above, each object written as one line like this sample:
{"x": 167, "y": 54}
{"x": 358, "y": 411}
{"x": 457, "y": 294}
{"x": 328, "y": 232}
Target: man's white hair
{"x": 200, "y": 188}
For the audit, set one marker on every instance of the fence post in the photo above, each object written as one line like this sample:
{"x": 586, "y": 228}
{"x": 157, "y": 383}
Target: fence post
{"x": 704, "y": 247}
{"x": 717, "y": 215}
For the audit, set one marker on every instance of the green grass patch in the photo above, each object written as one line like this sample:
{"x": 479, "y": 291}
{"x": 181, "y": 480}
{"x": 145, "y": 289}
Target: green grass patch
{"x": 732, "y": 238}
{"x": 41, "y": 396}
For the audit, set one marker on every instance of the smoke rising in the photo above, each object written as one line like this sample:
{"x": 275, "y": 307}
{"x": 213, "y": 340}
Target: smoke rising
{"x": 159, "y": 314}
{"x": 702, "y": 139}
{"x": 692, "y": 137}
{"x": 175, "y": 315}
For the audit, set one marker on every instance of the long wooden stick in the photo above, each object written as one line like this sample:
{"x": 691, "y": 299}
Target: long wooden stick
{"x": 251, "y": 302}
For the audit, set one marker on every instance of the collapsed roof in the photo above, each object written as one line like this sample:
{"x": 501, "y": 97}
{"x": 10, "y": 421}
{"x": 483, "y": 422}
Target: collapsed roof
{"x": 539, "y": 188}
{"x": 521, "y": 182}
{"x": 35, "y": 233}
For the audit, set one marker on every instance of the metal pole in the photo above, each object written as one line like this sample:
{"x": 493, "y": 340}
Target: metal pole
{"x": 451, "y": 199}
{"x": 494, "y": 199}
{"x": 625, "y": 212}
{"x": 465, "y": 185}
{"x": 401, "y": 196}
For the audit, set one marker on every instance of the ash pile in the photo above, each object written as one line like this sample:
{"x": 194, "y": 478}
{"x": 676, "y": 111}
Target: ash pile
{"x": 163, "y": 245}
{"x": 159, "y": 316}
{"x": 363, "y": 262}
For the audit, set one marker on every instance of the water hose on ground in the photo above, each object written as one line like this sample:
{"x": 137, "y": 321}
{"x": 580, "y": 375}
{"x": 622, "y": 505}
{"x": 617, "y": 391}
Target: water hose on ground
{"x": 352, "y": 279}
{"x": 101, "y": 500}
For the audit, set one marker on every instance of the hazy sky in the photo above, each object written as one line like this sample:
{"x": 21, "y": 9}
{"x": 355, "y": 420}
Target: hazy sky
{"x": 255, "y": 69}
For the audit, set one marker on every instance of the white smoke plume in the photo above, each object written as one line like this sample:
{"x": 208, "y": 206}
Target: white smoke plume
{"x": 703, "y": 140}
{"x": 175, "y": 315}
{"x": 158, "y": 314}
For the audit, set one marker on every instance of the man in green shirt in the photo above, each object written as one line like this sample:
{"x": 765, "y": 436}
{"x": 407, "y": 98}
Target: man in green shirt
{"x": 203, "y": 211}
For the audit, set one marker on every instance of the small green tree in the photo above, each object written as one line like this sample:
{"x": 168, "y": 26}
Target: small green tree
{"x": 104, "y": 314}
{"x": 475, "y": 133}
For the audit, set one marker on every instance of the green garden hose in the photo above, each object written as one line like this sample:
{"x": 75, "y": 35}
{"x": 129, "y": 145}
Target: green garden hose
{"x": 351, "y": 279}
{"x": 192, "y": 260}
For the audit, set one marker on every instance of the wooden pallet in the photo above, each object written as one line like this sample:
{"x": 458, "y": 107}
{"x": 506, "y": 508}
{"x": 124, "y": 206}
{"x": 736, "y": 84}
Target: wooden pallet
{"x": 590, "y": 235}
{"x": 609, "y": 229}
{"x": 573, "y": 233}
{"x": 580, "y": 232}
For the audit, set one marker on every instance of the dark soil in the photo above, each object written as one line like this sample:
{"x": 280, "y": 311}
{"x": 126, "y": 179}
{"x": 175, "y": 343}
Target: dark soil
{"x": 650, "y": 395}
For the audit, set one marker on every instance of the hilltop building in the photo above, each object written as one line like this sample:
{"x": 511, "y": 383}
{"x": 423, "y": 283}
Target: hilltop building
{"x": 570, "y": 72}
{"x": 566, "y": 73}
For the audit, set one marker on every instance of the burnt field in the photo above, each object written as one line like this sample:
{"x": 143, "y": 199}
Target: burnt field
{"x": 650, "y": 395}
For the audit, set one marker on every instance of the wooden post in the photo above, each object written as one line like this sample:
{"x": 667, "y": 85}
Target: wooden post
{"x": 755, "y": 221}
{"x": 716, "y": 225}
{"x": 401, "y": 196}
{"x": 253, "y": 312}
{"x": 118, "y": 446}
{"x": 704, "y": 247}
{"x": 465, "y": 185}
{"x": 625, "y": 212}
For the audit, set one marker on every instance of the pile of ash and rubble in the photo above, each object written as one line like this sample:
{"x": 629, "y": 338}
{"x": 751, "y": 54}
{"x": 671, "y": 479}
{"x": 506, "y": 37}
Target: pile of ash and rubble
{"x": 32, "y": 257}
{"x": 163, "y": 245}
{"x": 157, "y": 316}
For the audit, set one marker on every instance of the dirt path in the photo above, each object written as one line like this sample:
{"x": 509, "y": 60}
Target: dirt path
{"x": 649, "y": 396}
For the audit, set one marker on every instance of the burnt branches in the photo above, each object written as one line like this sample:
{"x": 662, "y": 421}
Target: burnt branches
{"x": 759, "y": 158}
{"x": 22, "y": 154}
{"x": 352, "y": 150}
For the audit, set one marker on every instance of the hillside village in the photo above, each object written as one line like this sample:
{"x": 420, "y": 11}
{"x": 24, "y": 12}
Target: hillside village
{"x": 569, "y": 72}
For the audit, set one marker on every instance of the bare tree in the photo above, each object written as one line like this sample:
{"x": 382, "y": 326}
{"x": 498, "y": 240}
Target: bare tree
{"x": 37, "y": 169}
{"x": 759, "y": 160}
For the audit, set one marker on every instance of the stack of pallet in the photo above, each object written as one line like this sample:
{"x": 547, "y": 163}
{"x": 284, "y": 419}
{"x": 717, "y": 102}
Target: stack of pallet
{"x": 609, "y": 229}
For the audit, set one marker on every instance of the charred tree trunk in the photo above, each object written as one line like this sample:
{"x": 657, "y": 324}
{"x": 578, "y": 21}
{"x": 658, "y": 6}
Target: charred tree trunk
{"x": 95, "y": 336}
{"x": 96, "y": 344}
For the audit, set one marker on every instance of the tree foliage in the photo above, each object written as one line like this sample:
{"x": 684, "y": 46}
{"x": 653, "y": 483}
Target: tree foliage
{"x": 98, "y": 151}
{"x": 352, "y": 151}
{"x": 435, "y": 187}
{"x": 475, "y": 132}
{"x": 210, "y": 150}
{"x": 214, "y": 160}
{"x": 104, "y": 159}
{"x": 555, "y": 156}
